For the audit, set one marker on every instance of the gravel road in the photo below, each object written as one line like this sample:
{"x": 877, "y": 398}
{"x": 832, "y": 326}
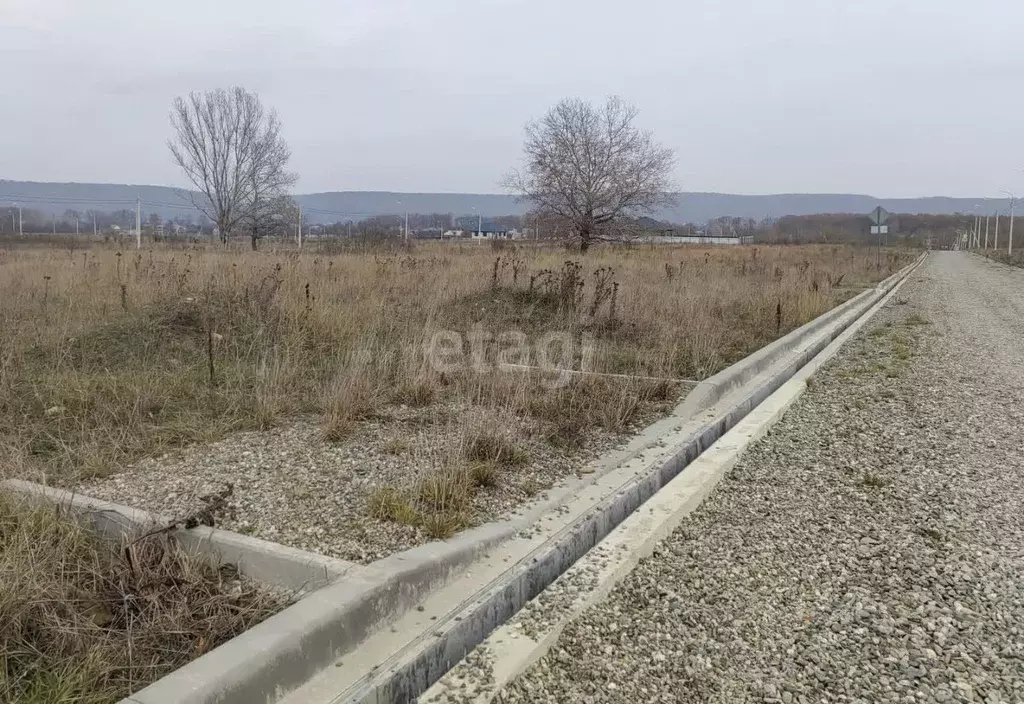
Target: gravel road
{"x": 870, "y": 549}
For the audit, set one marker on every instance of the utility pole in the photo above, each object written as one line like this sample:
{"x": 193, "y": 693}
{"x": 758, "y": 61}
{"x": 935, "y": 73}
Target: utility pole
{"x": 987, "y": 218}
{"x": 1013, "y": 202}
{"x": 995, "y": 243}
{"x": 76, "y": 225}
{"x": 138, "y": 223}
{"x": 300, "y": 227}
{"x": 55, "y": 223}
{"x": 407, "y": 227}
{"x": 1009, "y": 245}
{"x": 94, "y": 223}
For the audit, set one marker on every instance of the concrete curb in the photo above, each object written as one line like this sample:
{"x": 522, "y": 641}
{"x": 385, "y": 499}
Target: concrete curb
{"x": 257, "y": 559}
{"x": 509, "y": 652}
{"x": 406, "y": 674}
{"x": 344, "y": 601}
{"x": 270, "y": 659}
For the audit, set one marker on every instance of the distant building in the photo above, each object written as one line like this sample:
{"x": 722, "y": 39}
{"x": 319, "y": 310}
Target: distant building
{"x": 699, "y": 239}
{"x": 495, "y": 232}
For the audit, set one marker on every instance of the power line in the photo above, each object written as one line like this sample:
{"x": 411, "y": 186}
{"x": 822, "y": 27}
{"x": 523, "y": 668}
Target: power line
{"x": 59, "y": 199}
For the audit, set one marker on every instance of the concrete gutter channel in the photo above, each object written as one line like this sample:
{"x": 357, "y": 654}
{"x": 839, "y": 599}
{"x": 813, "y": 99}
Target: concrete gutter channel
{"x": 465, "y": 587}
{"x": 522, "y": 640}
{"x": 720, "y": 402}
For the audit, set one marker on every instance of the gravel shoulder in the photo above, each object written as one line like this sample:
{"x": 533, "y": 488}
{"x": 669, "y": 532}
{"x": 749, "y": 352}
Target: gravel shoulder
{"x": 290, "y": 486}
{"x": 870, "y": 549}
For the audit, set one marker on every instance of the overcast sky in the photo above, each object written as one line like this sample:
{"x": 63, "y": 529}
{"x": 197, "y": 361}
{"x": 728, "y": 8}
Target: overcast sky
{"x": 886, "y": 97}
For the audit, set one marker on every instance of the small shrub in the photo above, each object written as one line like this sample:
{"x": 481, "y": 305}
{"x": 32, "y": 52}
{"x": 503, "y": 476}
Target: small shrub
{"x": 916, "y": 319}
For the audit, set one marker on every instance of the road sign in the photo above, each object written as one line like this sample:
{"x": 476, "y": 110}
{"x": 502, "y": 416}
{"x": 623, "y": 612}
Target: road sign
{"x": 879, "y": 216}
{"x": 879, "y": 229}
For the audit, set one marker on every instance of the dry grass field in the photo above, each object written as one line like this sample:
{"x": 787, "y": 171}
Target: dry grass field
{"x": 114, "y": 359}
{"x": 110, "y": 356}
{"x": 1014, "y": 259}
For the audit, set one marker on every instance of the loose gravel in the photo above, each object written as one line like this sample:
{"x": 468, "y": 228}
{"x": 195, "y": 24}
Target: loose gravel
{"x": 290, "y": 486}
{"x": 870, "y": 549}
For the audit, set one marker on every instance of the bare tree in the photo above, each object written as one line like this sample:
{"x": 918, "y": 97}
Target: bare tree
{"x": 590, "y": 165}
{"x": 231, "y": 148}
{"x": 271, "y": 217}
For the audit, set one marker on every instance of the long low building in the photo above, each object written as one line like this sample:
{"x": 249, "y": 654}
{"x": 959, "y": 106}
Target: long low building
{"x": 699, "y": 239}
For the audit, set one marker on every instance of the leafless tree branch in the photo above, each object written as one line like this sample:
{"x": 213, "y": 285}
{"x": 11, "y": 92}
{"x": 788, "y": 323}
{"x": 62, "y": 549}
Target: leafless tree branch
{"x": 232, "y": 151}
{"x": 591, "y": 166}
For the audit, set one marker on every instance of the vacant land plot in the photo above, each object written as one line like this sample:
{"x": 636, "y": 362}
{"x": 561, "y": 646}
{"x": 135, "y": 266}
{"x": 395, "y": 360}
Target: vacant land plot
{"x": 358, "y": 404}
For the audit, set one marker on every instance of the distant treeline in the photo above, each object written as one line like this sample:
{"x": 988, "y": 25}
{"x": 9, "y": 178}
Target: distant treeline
{"x": 940, "y": 230}
{"x": 917, "y": 229}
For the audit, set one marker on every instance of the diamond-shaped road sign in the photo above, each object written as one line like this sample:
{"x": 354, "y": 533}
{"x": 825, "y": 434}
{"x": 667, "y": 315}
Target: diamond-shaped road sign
{"x": 879, "y": 216}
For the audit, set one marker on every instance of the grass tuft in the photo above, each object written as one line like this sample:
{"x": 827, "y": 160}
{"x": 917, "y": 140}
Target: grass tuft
{"x": 485, "y": 474}
{"x": 387, "y": 504}
{"x": 490, "y": 444}
{"x": 873, "y": 479}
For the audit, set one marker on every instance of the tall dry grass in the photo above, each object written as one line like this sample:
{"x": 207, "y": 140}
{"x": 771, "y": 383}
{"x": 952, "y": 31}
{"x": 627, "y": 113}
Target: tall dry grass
{"x": 85, "y": 621}
{"x": 108, "y": 355}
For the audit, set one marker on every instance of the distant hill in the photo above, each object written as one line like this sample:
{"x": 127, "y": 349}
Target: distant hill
{"x": 355, "y": 205}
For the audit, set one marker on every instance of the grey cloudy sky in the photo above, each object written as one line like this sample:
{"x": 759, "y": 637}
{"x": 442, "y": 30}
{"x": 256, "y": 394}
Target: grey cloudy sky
{"x": 888, "y": 97}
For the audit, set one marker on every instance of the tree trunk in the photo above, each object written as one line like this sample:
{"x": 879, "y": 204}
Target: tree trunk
{"x": 255, "y": 236}
{"x": 585, "y": 236}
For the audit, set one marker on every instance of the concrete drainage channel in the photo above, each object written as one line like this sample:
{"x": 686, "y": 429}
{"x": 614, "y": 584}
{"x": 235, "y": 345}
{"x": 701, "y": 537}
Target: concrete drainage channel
{"x": 521, "y": 641}
{"x": 355, "y": 636}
